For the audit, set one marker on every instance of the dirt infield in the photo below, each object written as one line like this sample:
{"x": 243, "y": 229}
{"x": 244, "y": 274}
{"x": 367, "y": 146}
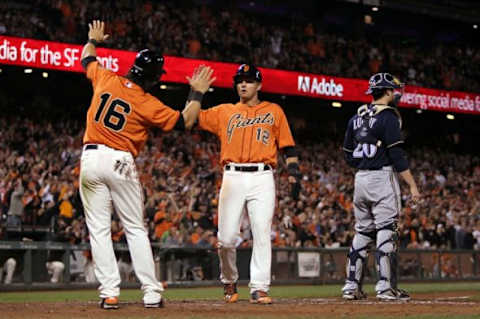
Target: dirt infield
{"x": 444, "y": 304}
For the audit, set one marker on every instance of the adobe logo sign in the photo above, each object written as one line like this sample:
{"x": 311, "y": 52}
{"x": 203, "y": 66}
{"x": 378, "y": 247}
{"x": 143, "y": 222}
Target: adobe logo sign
{"x": 306, "y": 85}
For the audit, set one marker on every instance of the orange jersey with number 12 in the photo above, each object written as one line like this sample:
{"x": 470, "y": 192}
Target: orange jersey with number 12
{"x": 248, "y": 134}
{"x": 121, "y": 112}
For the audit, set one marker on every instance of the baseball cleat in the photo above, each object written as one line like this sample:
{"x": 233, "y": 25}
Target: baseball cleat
{"x": 260, "y": 297}
{"x": 159, "y": 304}
{"x": 387, "y": 295}
{"x": 109, "y": 303}
{"x": 230, "y": 293}
{"x": 402, "y": 295}
{"x": 354, "y": 294}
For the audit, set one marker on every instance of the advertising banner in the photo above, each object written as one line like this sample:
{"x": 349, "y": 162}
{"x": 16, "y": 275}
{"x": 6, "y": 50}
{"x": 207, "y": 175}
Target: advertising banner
{"x": 308, "y": 264}
{"x": 66, "y": 57}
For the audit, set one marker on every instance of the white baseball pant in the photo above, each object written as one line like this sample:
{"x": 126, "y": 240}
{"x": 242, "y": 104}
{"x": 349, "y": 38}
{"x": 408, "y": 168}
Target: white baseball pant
{"x": 109, "y": 180}
{"x": 256, "y": 190}
{"x": 9, "y": 269}
{"x": 55, "y": 269}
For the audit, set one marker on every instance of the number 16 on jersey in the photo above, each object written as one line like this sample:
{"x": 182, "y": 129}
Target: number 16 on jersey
{"x": 115, "y": 116}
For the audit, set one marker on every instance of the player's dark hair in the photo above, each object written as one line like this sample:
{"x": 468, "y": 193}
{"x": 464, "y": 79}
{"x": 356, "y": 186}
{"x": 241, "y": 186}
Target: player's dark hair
{"x": 378, "y": 93}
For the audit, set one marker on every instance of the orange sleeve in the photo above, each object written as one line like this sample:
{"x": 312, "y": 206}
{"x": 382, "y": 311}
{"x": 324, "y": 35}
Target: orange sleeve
{"x": 158, "y": 114}
{"x": 284, "y": 135}
{"x": 95, "y": 72}
{"x": 208, "y": 120}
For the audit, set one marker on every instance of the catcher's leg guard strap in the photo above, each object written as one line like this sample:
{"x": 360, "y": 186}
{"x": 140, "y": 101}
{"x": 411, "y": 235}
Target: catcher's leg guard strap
{"x": 357, "y": 257}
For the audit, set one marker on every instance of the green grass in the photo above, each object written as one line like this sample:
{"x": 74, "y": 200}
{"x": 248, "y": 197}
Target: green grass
{"x": 320, "y": 317}
{"x": 324, "y": 291}
{"x": 425, "y": 317}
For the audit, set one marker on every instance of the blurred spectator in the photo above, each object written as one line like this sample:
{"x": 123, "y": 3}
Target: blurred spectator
{"x": 15, "y": 212}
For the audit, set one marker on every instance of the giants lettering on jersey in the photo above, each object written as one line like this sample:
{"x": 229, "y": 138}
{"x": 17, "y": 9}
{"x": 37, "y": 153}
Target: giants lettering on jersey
{"x": 238, "y": 121}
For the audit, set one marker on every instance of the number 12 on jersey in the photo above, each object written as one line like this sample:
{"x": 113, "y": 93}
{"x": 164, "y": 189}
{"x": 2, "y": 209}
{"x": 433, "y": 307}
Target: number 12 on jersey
{"x": 263, "y": 135}
{"x": 115, "y": 116}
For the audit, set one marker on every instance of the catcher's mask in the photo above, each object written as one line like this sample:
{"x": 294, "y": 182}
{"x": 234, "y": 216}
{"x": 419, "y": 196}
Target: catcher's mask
{"x": 382, "y": 81}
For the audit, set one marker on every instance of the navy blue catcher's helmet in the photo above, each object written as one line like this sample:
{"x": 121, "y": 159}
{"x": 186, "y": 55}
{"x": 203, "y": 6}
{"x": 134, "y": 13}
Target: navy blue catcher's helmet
{"x": 247, "y": 72}
{"x": 383, "y": 81}
{"x": 148, "y": 65}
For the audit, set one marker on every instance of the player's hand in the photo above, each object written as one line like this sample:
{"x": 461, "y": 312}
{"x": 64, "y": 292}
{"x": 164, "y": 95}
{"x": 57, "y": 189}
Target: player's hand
{"x": 415, "y": 194}
{"x": 201, "y": 78}
{"x": 96, "y": 31}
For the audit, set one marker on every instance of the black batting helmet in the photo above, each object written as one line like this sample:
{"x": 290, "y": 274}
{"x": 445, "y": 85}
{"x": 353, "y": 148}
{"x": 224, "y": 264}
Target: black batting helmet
{"x": 148, "y": 65}
{"x": 381, "y": 81}
{"x": 247, "y": 72}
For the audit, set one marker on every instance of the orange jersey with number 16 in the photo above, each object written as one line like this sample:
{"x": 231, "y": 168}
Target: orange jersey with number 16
{"x": 121, "y": 112}
{"x": 248, "y": 134}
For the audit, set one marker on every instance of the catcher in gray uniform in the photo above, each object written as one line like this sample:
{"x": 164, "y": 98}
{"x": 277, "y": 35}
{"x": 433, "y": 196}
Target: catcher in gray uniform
{"x": 373, "y": 146}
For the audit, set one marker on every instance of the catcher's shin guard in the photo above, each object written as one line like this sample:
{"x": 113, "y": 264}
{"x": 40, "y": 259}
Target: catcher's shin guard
{"x": 356, "y": 261}
{"x": 386, "y": 258}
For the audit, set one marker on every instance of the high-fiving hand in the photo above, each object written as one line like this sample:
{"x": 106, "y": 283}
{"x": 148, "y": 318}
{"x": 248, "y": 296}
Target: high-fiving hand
{"x": 201, "y": 78}
{"x": 96, "y": 31}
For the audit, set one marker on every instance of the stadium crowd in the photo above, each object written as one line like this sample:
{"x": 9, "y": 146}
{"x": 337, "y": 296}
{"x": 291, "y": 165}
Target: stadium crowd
{"x": 181, "y": 178}
{"x": 224, "y": 33}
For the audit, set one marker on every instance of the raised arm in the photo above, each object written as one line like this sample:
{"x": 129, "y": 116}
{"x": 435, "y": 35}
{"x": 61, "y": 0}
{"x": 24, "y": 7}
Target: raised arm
{"x": 95, "y": 36}
{"x": 200, "y": 83}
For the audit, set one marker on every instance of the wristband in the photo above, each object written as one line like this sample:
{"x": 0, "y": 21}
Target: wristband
{"x": 94, "y": 42}
{"x": 195, "y": 96}
{"x": 290, "y": 151}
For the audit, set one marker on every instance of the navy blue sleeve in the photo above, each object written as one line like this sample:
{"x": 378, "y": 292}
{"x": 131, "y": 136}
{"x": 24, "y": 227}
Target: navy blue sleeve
{"x": 393, "y": 134}
{"x": 348, "y": 142}
{"x": 398, "y": 158}
{"x": 349, "y": 146}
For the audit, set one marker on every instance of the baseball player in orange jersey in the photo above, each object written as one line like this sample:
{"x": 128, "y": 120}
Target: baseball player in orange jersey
{"x": 251, "y": 132}
{"x": 117, "y": 121}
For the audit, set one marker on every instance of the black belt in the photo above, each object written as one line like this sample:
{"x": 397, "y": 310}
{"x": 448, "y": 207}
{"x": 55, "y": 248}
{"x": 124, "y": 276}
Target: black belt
{"x": 91, "y": 147}
{"x": 381, "y": 168}
{"x": 247, "y": 168}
